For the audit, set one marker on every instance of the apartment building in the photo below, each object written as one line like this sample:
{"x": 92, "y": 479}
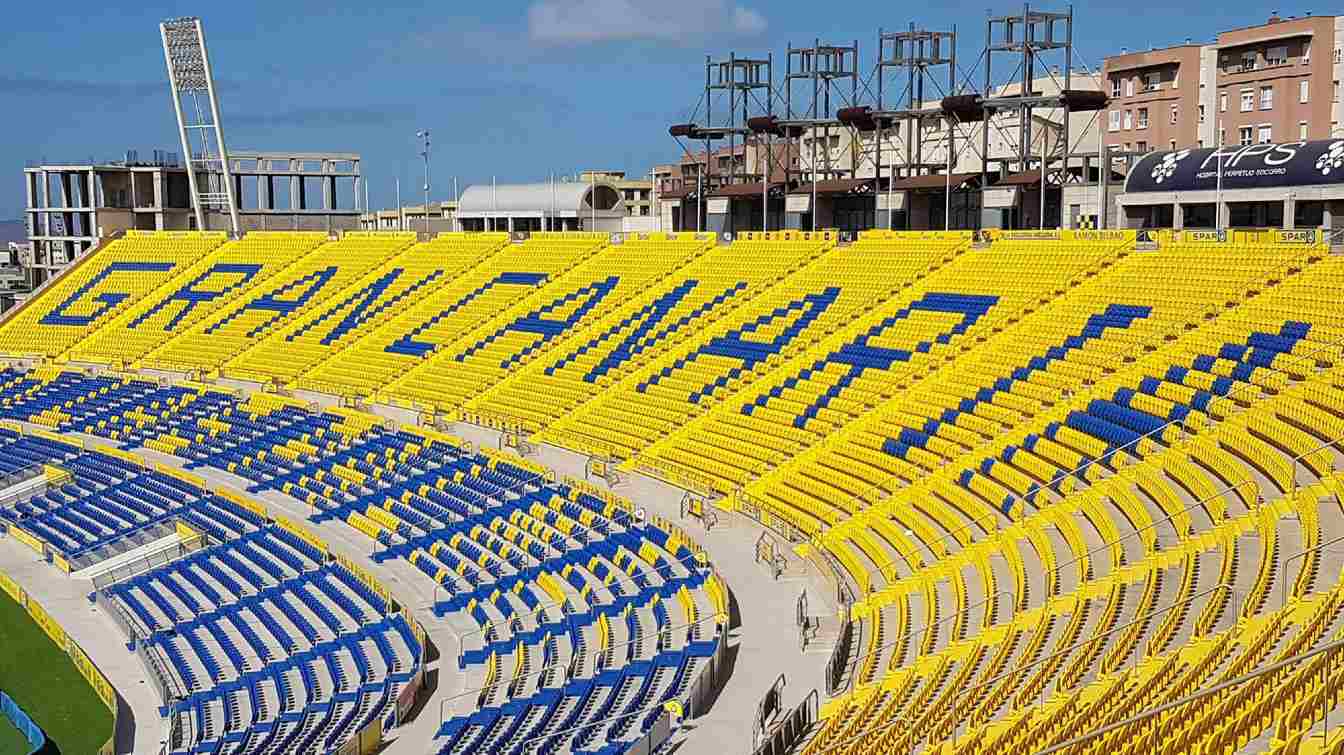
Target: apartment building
{"x": 1276, "y": 82}
{"x": 636, "y": 193}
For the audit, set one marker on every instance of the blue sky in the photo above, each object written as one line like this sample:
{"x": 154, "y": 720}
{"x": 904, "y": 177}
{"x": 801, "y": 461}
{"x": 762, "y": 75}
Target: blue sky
{"x": 514, "y": 88}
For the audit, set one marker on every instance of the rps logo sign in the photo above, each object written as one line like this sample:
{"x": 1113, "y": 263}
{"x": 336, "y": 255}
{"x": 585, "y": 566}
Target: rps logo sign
{"x": 1255, "y": 166}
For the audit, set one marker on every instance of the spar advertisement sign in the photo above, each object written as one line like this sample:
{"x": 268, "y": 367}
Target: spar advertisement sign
{"x": 1255, "y": 166}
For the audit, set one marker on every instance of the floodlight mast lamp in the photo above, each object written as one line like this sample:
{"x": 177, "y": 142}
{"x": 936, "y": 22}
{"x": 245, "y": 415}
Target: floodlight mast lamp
{"x": 424, "y": 134}
{"x": 189, "y": 73}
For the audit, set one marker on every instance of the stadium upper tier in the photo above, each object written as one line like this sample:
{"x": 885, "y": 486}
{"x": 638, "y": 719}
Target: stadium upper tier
{"x": 1060, "y": 478}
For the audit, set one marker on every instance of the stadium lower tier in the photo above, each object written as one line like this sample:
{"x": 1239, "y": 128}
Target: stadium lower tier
{"x": 589, "y": 621}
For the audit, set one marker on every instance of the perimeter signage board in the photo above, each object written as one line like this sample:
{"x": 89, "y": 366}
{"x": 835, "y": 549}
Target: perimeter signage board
{"x": 1307, "y": 236}
{"x": 797, "y": 203}
{"x": 1255, "y": 166}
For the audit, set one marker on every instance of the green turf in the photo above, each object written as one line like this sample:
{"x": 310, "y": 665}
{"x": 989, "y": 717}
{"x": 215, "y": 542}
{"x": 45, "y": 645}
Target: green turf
{"x": 11, "y": 741}
{"x": 45, "y": 683}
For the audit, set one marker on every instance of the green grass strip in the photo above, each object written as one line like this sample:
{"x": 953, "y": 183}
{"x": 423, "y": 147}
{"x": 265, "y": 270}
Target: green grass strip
{"x": 44, "y": 682}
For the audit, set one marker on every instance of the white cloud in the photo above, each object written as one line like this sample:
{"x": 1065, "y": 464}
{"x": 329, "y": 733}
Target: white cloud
{"x": 584, "y": 21}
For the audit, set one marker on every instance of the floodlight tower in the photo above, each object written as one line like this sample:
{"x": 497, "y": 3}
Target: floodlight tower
{"x": 424, "y": 134}
{"x": 189, "y": 75}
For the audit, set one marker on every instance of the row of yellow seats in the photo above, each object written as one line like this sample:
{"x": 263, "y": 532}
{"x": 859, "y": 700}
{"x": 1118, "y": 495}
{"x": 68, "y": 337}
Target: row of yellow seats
{"x": 491, "y": 352}
{"x": 716, "y": 283}
{"x": 312, "y": 280}
{"x": 211, "y": 283}
{"x": 381, "y": 294}
{"x": 442, "y": 316}
{"x": 96, "y": 288}
{"x": 1008, "y": 278}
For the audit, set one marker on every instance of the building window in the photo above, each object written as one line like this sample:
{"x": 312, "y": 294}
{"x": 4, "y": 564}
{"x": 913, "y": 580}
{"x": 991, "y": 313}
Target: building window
{"x": 1248, "y": 61}
{"x": 1244, "y": 134}
{"x": 1303, "y": 90}
{"x": 1143, "y": 117}
{"x": 1306, "y": 52}
{"x": 1267, "y": 98}
{"x": 1152, "y": 81}
{"x": 1115, "y": 120}
{"x": 1247, "y": 100}
{"x": 1129, "y": 119}
{"x": 1302, "y": 130}
{"x": 1175, "y": 114}
{"x": 1115, "y": 87}
{"x": 1222, "y": 102}
{"x": 1172, "y": 145}
{"x": 1201, "y": 113}
{"x": 1129, "y": 87}
{"x": 1266, "y": 135}
{"x": 1276, "y": 56}
{"x": 1141, "y": 146}
{"x": 1222, "y": 137}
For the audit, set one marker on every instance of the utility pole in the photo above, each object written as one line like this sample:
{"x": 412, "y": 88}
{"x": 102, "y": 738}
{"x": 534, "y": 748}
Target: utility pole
{"x": 424, "y": 134}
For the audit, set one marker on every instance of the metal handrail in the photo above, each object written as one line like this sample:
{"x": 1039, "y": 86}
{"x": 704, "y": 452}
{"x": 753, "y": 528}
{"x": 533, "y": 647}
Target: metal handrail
{"x": 993, "y": 516}
{"x": 1236, "y": 391}
{"x": 536, "y": 479}
{"x": 612, "y": 719}
{"x": 621, "y": 580}
{"x": 1107, "y": 545}
{"x": 1138, "y": 653}
{"x": 1283, "y": 583}
{"x": 1013, "y": 672}
{"x": 1297, "y": 460}
{"x": 758, "y": 723}
{"x": 605, "y": 653}
{"x": 1215, "y": 689}
{"x": 510, "y": 680}
{"x": 927, "y": 626}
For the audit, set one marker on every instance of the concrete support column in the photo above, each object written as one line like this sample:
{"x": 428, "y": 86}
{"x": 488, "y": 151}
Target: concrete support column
{"x": 1224, "y": 214}
{"x": 1290, "y": 211}
{"x": 329, "y": 194}
{"x": 296, "y": 201}
{"x": 1177, "y": 216}
{"x": 1328, "y": 215}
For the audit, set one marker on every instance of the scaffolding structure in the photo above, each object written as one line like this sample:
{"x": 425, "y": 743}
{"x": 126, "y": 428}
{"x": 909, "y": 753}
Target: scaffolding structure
{"x": 190, "y": 77}
{"x": 918, "y": 83}
{"x": 742, "y": 79}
